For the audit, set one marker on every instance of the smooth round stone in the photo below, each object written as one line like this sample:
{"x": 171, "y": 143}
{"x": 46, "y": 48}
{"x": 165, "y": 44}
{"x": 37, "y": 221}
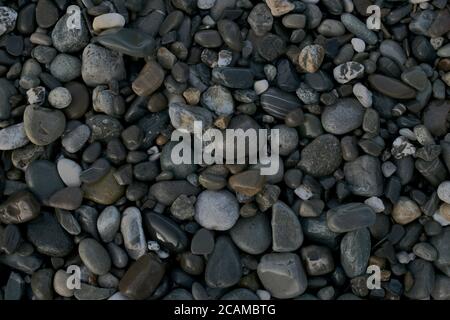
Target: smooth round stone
{"x": 166, "y": 192}
{"x": 391, "y": 87}
{"x": 260, "y": 19}
{"x": 60, "y": 98}
{"x": 69, "y": 198}
{"x": 65, "y": 67}
{"x": 216, "y": 210}
{"x": 69, "y": 171}
{"x": 355, "y": 252}
{"x": 287, "y": 234}
{"x": 42, "y": 125}
{"x": 363, "y": 95}
{"x": 344, "y": 116}
{"x": 13, "y": 137}
{"x": 208, "y": 38}
{"x": 49, "y": 238}
{"x": 248, "y": 182}
{"x": 416, "y": 78}
{"x": 74, "y": 140}
{"x": 67, "y": 39}
{"x": 46, "y": 13}
{"x": 68, "y": 222}
{"x": 166, "y": 231}
{"x": 311, "y": 57}
{"x": 105, "y": 191}
{"x": 41, "y": 284}
{"x": 60, "y": 281}
{"x": 101, "y": 66}
{"x": 19, "y": 207}
{"x": 127, "y": 41}
{"x": 119, "y": 257}
{"x": 282, "y": 274}
{"x": 322, "y": 156}
{"x": 203, "y": 242}
{"x": 223, "y": 268}
{"x": 348, "y": 71}
{"x": 94, "y": 256}
{"x": 425, "y": 251}
{"x": 231, "y": 34}
{"x": 318, "y": 260}
{"x": 319, "y": 81}
{"x": 392, "y": 50}
{"x": 78, "y": 107}
{"x": 42, "y": 179}
{"x": 364, "y": 176}
{"x": 358, "y": 44}
{"x": 142, "y": 278}
{"x": 350, "y": 217}
{"x": 271, "y": 46}
{"x": 252, "y": 235}
{"x": 108, "y": 21}
{"x": 278, "y": 103}
{"x": 358, "y": 28}
{"x": 108, "y": 223}
{"x": 443, "y": 191}
{"x": 405, "y": 211}
{"x": 219, "y": 100}
{"x": 133, "y": 233}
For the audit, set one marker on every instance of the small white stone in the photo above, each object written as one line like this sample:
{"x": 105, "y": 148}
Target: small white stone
{"x": 375, "y": 203}
{"x": 443, "y": 191}
{"x": 401, "y": 148}
{"x": 153, "y": 246}
{"x": 263, "y": 294}
{"x": 261, "y": 86}
{"x": 162, "y": 254}
{"x": 225, "y": 58}
{"x": 358, "y": 44}
{"x": 69, "y": 171}
{"x": 36, "y": 95}
{"x": 108, "y": 21}
{"x": 303, "y": 192}
{"x": 388, "y": 168}
{"x": 436, "y": 43}
{"x": 440, "y": 219}
{"x": 60, "y": 98}
{"x": 405, "y": 257}
{"x": 363, "y": 95}
{"x": 205, "y": 4}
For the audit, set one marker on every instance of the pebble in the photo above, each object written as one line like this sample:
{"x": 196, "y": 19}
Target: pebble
{"x": 348, "y": 71}
{"x": 248, "y": 182}
{"x": 363, "y": 95}
{"x": 101, "y": 66}
{"x": 391, "y": 87}
{"x": 358, "y": 45}
{"x": 67, "y": 39}
{"x": 405, "y": 211}
{"x": 127, "y": 41}
{"x": 203, "y": 242}
{"x": 355, "y": 252}
{"x": 287, "y": 234}
{"x": 65, "y": 67}
{"x": 280, "y": 7}
{"x": 322, "y": 156}
{"x": 42, "y": 179}
{"x": 69, "y": 171}
{"x": 311, "y": 57}
{"x": 216, "y": 210}
{"x": 219, "y": 100}
{"x": 19, "y": 207}
{"x": 282, "y": 274}
{"x": 142, "y": 278}
{"x": 364, "y": 176}
{"x": 342, "y": 117}
{"x": 252, "y": 235}
{"x": 443, "y": 191}
{"x": 166, "y": 231}
{"x": 94, "y": 256}
{"x": 74, "y": 140}
{"x": 105, "y": 191}
{"x": 358, "y": 28}
{"x": 223, "y": 268}
{"x": 278, "y": 103}
{"x": 108, "y": 21}
{"x": 318, "y": 260}
{"x": 60, "y": 98}
{"x": 133, "y": 233}
{"x": 13, "y": 137}
{"x": 8, "y": 19}
{"x": 260, "y": 19}
{"x": 69, "y": 198}
{"x": 350, "y": 217}
{"x": 108, "y": 223}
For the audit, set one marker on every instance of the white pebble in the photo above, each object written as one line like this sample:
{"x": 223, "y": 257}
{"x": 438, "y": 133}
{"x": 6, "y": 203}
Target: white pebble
{"x": 205, "y": 4}
{"x": 358, "y": 44}
{"x": 405, "y": 257}
{"x": 363, "y": 95}
{"x": 162, "y": 254}
{"x": 401, "y": 148}
{"x": 153, "y": 246}
{"x": 375, "y": 203}
{"x": 443, "y": 191}
{"x": 225, "y": 58}
{"x": 436, "y": 43}
{"x": 303, "y": 192}
{"x": 69, "y": 171}
{"x": 60, "y": 98}
{"x": 108, "y": 21}
{"x": 36, "y": 95}
{"x": 261, "y": 86}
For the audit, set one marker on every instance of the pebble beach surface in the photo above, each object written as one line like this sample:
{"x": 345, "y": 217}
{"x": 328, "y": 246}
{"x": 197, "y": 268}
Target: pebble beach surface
{"x": 91, "y": 90}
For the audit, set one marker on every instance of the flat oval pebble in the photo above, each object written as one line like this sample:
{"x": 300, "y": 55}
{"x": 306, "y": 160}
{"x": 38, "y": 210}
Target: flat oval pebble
{"x": 216, "y": 210}
{"x": 342, "y": 117}
{"x": 94, "y": 256}
{"x": 13, "y": 137}
{"x": 350, "y": 217}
